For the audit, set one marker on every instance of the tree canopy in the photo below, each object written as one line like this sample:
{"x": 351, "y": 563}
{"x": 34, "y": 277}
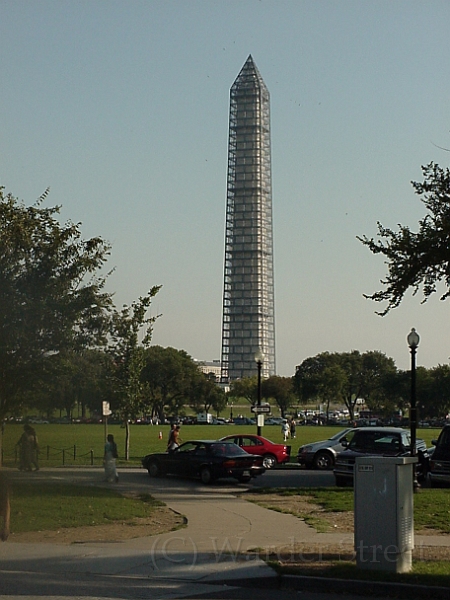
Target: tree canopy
{"x": 345, "y": 377}
{"x": 247, "y": 388}
{"x": 169, "y": 375}
{"x": 281, "y": 389}
{"x": 421, "y": 259}
{"x": 51, "y": 293}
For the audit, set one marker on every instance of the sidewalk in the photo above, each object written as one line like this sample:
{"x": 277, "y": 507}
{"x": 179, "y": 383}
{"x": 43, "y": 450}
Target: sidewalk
{"x": 220, "y": 526}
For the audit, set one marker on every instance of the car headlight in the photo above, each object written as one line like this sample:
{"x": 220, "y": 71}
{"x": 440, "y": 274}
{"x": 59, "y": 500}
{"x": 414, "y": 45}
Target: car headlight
{"x": 304, "y": 449}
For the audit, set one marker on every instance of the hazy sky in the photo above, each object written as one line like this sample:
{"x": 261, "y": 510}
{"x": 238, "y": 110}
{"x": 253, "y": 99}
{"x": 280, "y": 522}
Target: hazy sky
{"x": 121, "y": 107}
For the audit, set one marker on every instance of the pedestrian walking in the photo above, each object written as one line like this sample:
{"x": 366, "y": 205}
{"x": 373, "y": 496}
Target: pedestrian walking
{"x": 34, "y": 445}
{"x": 174, "y": 439}
{"x": 109, "y": 459}
{"x": 285, "y": 430}
{"x": 28, "y": 449}
{"x": 171, "y": 437}
{"x": 293, "y": 428}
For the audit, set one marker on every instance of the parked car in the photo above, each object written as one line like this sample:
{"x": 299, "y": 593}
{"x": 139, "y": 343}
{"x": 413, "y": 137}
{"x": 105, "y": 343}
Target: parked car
{"x": 378, "y": 441}
{"x": 272, "y": 453}
{"x": 440, "y": 459}
{"x": 322, "y": 455}
{"x": 209, "y": 460}
{"x": 243, "y": 421}
{"x": 274, "y": 421}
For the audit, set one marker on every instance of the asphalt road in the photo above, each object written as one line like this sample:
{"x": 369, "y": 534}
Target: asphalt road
{"x": 294, "y": 478}
{"x": 273, "y": 478}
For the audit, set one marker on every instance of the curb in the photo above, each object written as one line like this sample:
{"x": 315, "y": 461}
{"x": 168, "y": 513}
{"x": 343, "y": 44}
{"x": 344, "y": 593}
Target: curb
{"x": 363, "y": 588}
{"x": 329, "y": 585}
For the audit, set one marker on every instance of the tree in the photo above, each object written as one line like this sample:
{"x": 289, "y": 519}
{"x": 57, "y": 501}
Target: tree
{"x": 347, "y": 376}
{"x": 281, "y": 389}
{"x": 51, "y": 293}
{"x": 168, "y": 375}
{"x": 377, "y": 367}
{"x": 128, "y": 357}
{"x": 206, "y": 394}
{"x": 319, "y": 378}
{"x": 417, "y": 259}
{"x": 364, "y": 376}
{"x": 72, "y": 379}
{"x": 434, "y": 392}
{"x": 247, "y": 388}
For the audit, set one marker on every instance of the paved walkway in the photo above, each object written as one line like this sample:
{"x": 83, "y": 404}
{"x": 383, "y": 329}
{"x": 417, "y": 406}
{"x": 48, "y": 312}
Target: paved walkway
{"x": 178, "y": 564}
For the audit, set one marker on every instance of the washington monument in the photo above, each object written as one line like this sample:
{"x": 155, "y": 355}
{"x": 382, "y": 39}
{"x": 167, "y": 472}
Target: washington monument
{"x": 248, "y": 323}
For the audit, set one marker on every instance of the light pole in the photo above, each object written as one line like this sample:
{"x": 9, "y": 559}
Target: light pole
{"x": 259, "y": 359}
{"x": 413, "y": 343}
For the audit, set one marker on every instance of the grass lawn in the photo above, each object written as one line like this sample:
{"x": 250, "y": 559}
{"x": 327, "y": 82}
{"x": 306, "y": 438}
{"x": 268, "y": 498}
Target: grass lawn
{"x": 54, "y": 507}
{"x": 83, "y": 444}
{"x": 431, "y": 506}
{"x": 431, "y": 511}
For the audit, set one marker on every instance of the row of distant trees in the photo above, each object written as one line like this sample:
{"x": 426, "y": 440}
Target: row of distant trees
{"x": 62, "y": 340}
{"x": 169, "y": 382}
{"x": 349, "y": 378}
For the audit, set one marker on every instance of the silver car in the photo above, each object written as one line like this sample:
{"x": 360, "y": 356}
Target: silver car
{"x": 322, "y": 455}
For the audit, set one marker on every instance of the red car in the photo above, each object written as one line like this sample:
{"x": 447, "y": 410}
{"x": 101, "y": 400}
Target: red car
{"x": 256, "y": 444}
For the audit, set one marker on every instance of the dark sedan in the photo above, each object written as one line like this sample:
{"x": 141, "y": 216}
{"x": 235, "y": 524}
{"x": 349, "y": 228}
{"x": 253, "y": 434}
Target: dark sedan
{"x": 377, "y": 441}
{"x": 440, "y": 459}
{"x": 207, "y": 459}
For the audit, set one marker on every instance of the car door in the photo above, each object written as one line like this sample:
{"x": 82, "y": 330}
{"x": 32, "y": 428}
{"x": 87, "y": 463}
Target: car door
{"x": 179, "y": 462}
{"x": 198, "y": 457}
{"x": 251, "y": 444}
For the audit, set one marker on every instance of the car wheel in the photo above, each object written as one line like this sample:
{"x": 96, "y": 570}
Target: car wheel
{"x": 153, "y": 469}
{"x": 205, "y": 475}
{"x": 269, "y": 461}
{"x": 323, "y": 461}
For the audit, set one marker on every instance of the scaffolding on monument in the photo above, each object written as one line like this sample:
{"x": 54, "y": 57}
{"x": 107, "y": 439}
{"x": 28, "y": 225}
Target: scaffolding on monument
{"x": 248, "y": 323}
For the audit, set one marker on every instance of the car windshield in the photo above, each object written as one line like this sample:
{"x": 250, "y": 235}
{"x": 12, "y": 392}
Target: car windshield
{"x": 338, "y": 436}
{"x": 226, "y": 449}
{"x": 444, "y": 438}
{"x": 377, "y": 441}
{"x": 186, "y": 447}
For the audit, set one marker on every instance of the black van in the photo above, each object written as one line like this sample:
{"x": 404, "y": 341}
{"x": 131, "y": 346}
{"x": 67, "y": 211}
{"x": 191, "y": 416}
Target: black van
{"x": 440, "y": 459}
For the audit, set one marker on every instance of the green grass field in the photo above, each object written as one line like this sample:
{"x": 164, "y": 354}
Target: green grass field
{"x": 76, "y": 444}
{"x": 95, "y": 506}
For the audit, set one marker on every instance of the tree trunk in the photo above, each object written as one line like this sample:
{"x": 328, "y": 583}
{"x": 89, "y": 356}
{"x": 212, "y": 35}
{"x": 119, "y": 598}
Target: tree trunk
{"x": 2, "y": 427}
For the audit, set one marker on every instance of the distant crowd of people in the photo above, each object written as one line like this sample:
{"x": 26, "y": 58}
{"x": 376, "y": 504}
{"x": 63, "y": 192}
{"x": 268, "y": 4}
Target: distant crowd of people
{"x": 288, "y": 429}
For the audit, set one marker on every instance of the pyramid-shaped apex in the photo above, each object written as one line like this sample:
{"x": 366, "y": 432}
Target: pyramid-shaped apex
{"x": 249, "y": 75}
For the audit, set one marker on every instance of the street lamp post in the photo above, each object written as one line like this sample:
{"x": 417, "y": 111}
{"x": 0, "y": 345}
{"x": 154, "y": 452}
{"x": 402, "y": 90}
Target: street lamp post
{"x": 259, "y": 359}
{"x": 413, "y": 343}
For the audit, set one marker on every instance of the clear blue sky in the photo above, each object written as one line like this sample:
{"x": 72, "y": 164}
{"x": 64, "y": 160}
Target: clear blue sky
{"x": 121, "y": 107}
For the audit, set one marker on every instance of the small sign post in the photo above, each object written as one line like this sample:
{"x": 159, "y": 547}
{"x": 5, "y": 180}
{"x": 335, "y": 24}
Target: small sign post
{"x": 106, "y": 412}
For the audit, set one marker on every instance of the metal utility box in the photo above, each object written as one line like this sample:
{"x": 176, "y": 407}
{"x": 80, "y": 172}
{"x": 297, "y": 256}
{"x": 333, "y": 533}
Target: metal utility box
{"x": 384, "y": 513}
